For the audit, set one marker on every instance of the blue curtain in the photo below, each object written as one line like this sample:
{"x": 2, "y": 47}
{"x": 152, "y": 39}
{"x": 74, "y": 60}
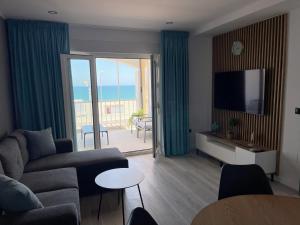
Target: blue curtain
{"x": 175, "y": 95}
{"x": 35, "y": 48}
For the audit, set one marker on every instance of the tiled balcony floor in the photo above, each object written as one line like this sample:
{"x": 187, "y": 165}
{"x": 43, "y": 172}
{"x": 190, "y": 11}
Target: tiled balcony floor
{"x": 122, "y": 139}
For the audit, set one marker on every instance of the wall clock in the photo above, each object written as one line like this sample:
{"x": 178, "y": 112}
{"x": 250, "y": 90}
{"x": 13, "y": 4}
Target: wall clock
{"x": 237, "y": 48}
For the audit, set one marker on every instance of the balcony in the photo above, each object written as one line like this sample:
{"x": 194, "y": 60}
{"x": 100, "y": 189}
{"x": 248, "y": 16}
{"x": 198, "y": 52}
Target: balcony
{"x": 115, "y": 118}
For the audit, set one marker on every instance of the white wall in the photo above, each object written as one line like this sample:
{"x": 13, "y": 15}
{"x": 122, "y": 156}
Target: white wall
{"x": 92, "y": 39}
{"x": 6, "y": 112}
{"x": 289, "y": 173}
{"x": 200, "y": 80}
{"x": 200, "y": 53}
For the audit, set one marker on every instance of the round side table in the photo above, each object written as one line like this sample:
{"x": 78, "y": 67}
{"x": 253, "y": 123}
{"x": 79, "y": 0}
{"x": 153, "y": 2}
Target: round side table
{"x": 119, "y": 179}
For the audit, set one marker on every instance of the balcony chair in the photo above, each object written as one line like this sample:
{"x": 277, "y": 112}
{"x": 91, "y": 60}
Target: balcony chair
{"x": 243, "y": 180}
{"x": 88, "y": 129}
{"x": 143, "y": 123}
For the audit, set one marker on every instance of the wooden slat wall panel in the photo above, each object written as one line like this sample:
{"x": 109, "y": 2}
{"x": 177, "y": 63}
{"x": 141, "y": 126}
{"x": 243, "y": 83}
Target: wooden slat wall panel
{"x": 265, "y": 47}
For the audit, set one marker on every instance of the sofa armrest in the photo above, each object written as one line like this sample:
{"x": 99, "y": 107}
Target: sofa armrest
{"x": 63, "y": 145}
{"x": 65, "y": 214}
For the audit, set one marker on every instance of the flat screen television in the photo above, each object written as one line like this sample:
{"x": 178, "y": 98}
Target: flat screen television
{"x": 240, "y": 91}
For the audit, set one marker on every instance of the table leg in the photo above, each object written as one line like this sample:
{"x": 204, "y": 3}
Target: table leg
{"x": 99, "y": 209}
{"x": 140, "y": 195}
{"x": 122, "y": 198}
{"x": 84, "y": 140}
{"x": 107, "y": 137}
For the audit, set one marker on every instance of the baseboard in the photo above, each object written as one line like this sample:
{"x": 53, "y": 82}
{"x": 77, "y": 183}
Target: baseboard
{"x": 139, "y": 152}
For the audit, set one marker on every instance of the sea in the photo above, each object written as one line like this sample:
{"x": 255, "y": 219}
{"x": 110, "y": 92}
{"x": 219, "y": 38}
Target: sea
{"x": 106, "y": 93}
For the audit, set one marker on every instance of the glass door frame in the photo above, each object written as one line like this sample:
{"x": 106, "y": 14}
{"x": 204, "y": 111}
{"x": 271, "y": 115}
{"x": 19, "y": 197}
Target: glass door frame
{"x": 68, "y": 96}
{"x": 157, "y": 141}
{"x": 155, "y": 100}
{"x": 69, "y": 106}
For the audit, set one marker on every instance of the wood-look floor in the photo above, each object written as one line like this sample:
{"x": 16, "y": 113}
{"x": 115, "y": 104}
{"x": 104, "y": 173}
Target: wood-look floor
{"x": 174, "y": 191}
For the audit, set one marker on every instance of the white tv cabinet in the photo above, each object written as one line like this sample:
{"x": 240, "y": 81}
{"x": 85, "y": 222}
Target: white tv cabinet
{"x": 231, "y": 152}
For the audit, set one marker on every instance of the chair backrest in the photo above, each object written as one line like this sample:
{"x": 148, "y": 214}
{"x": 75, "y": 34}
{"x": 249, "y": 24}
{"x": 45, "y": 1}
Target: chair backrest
{"x": 243, "y": 180}
{"x": 140, "y": 216}
{"x": 136, "y": 120}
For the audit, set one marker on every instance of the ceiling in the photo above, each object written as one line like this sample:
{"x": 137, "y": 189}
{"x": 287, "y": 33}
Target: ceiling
{"x": 193, "y": 15}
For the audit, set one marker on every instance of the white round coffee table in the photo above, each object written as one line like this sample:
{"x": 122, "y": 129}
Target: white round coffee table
{"x": 119, "y": 179}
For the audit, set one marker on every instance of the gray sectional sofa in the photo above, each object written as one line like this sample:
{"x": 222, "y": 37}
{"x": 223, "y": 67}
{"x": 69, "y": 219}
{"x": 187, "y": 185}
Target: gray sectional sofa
{"x": 57, "y": 180}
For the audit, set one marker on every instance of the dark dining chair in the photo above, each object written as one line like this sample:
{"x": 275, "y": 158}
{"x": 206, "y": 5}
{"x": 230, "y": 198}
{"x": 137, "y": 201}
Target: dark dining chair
{"x": 140, "y": 216}
{"x": 243, "y": 180}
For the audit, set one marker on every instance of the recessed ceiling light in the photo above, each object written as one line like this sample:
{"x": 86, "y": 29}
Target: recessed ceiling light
{"x": 53, "y": 12}
{"x": 169, "y": 22}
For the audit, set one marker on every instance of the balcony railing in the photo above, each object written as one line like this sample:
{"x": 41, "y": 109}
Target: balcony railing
{"x": 113, "y": 114}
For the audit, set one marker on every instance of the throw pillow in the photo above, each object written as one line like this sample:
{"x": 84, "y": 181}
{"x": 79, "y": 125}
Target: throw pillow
{"x": 40, "y": 143}
{"x": 16, "y": 197}
{"x": 11, "y": 158}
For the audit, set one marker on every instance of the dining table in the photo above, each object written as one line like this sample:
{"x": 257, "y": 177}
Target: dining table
{"x": 251, "y": 210}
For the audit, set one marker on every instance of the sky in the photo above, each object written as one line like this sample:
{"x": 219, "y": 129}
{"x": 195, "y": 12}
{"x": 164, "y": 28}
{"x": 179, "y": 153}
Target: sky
{"x": 106, "y": 73}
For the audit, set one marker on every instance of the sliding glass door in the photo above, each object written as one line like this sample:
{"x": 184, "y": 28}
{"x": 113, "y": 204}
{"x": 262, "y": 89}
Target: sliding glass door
{"x": 81, "y": 100}
{"x": 108, "y": 102}
{"x": 117, "y": 90}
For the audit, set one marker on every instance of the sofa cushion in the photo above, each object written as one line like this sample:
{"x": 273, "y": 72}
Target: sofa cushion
{"x": 88, "y": 165}
{"x": 16, "y": 197}
{"x": 50, "y": 180}
{"x": 77, "y": 159}
{"x": 40, "y": 143}
{"x": 58, "y": 197}
{"x": 19, "y": 135}
{"x": 11, "y": 159}
{"x": 64, "y": 214}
